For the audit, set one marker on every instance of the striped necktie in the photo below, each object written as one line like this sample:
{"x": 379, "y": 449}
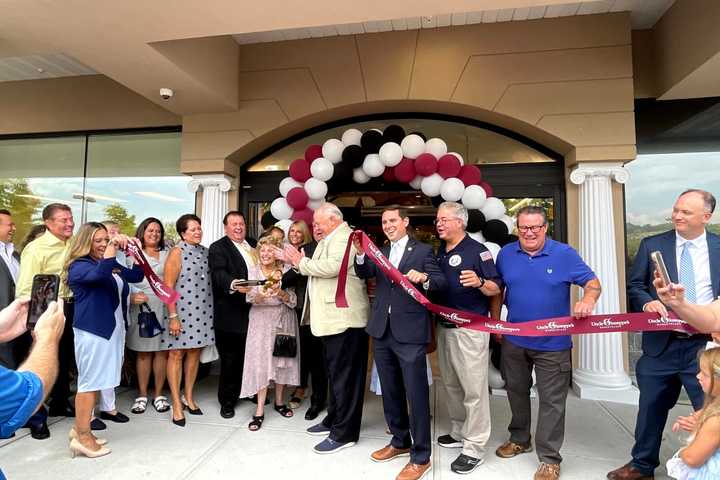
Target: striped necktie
{"x": 687, "y": 273}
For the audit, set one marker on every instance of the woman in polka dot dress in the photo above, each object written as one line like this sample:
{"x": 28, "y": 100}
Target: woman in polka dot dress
{"x": 190, "y": 326}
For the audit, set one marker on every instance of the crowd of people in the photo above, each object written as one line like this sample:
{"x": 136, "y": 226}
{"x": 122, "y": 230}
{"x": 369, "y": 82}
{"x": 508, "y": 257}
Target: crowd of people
{"x": 268, "y": 311}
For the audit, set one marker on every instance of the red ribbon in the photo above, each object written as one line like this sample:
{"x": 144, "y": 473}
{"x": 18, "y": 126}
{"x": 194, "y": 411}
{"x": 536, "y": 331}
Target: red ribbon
{"x": 166, "y": 294}
{"x": 607, "y": 323}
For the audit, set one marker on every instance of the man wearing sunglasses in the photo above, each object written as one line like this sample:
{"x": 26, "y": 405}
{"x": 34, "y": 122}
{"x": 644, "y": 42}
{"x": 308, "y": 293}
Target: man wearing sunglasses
{"x": 538, "y": 273}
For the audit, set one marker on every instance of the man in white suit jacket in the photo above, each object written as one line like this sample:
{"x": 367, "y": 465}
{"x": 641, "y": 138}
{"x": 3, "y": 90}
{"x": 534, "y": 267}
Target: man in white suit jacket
{"x": 342, "y": 330}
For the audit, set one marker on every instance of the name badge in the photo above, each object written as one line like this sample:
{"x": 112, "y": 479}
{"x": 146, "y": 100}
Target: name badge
{"x": 455, "y": 260}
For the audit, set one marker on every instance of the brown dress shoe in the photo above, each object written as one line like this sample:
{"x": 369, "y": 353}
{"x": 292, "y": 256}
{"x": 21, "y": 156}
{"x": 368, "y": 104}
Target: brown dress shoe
{"x": 413, "y": 471}
{"x": 628, "y": 472}
{"x": 510, "y": 449}
{"x": 389, "y": 452}
{"x": 547, "y": 471}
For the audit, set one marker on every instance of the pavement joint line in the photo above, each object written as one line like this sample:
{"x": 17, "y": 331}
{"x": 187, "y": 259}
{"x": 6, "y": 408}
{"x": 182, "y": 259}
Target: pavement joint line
{"x": 205, "y": 455}
{"x": 617, "y": 420}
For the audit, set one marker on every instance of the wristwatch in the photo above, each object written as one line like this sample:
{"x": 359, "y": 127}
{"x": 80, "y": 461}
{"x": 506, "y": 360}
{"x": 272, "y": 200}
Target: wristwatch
{"x": 482, "y": 282}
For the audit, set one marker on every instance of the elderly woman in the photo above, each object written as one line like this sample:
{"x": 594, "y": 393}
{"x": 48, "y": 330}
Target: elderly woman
{"x": 151, "y": 354}
{"x": 100, "y": 287}
{"x": 272, "y": 312}
{"x": 190, "y": 326}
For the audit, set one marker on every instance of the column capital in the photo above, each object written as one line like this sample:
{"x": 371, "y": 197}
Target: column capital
{"x": 614, "y": 170}
{"x": 201, "y": 182}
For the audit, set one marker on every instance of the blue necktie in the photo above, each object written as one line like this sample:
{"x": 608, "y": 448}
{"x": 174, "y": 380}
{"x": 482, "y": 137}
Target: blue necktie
{"x": 687, "y": 273}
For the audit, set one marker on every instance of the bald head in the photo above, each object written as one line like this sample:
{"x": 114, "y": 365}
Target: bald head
{"x": 325, "y": 220}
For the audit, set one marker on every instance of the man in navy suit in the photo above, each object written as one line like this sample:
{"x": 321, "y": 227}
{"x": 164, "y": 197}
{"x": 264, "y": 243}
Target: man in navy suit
{"x": 669, "y": 359}
{"x": 401, "y": 331}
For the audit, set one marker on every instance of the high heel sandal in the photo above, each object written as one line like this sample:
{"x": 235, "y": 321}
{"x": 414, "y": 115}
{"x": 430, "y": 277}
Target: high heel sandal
{"x": 77, "y": 448}
{"x": 191, "y": 411}
{"x": 73, "y": 434}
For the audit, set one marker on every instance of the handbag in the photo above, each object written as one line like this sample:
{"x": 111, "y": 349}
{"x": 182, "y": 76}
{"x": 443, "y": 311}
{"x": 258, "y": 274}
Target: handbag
{"x": 209, "y": 354}
{"x": 285, "y": 345}
{"x": 148, "y": 324}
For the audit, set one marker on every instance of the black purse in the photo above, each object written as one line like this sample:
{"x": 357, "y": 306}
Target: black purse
{"x": 148, "y": 324}
{"x": 285, "y": 345}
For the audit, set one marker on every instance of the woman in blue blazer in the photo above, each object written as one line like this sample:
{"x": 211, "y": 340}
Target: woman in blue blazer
{"x": 100, "y": 287}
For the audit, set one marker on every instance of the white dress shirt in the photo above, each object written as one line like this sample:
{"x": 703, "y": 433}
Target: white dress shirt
{"x": 245, "y": 250}
{"x": 393, "y": 255}
{"x": 698, "y": 249}
{"x": 6, "y": 252}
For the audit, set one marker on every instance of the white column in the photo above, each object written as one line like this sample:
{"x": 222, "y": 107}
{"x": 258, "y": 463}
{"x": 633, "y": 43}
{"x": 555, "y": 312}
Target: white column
{"x": 215, "y": 190}
{"x": 601, "y": 373}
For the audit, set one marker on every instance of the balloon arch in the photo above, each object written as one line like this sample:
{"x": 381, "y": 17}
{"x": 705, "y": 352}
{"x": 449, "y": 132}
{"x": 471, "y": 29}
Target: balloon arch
{"x": 425, "y": 165}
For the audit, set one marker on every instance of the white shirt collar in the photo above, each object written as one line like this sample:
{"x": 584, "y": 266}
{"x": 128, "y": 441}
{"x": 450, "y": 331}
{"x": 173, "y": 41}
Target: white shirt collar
{"x": 402, "y": 243}
{"x": 8, "y": 247}
{"x": 697, "y": 242}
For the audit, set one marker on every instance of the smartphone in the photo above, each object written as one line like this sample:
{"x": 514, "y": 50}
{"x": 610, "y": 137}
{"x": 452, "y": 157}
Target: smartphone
{"x": 251, "y": 283}
{"x": 657, "y": 259}
{"x": 45, "y": 288}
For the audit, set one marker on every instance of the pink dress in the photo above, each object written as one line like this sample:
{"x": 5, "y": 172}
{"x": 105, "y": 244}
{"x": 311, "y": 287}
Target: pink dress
{"x": 267, "y": 316}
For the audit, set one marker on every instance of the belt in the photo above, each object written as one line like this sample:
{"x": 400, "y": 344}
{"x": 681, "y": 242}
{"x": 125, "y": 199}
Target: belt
{"x": 688, "y": 336}
{"x": 446, "y": 324}
{"x": 68, "y": 299}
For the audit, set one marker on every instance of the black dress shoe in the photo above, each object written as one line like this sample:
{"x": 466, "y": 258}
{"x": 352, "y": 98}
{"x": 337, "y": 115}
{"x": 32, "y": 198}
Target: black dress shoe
{"x": 227, "y": 411}
{"x": 63, "y": 411}
{"x": 313, "y": 412}
{"x": 97, "y": 424}
{"x": 40, "y": 432}
{"x": 119, "y": 417}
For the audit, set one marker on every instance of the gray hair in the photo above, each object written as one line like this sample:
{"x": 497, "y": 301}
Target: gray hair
{"x": 708, "y": 198}
{"x": 331, "y": 210}
{"x": 458, "y": 210}
{"x": 532, "y": 210}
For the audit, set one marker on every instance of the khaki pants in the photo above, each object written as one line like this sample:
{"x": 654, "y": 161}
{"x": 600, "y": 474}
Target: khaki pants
{"x": 463, "y": 359}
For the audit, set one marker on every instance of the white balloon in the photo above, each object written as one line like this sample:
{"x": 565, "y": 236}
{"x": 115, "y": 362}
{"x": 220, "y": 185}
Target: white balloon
{"x": 431, "y": 185}
{"x": 415, "y": 182}
{"x": 316, "y": 189}
{"x": 413, "y": 145}
{"x": 477, "y": 236}
{"x": 360, "y": 176}
{"x": 390, "y": 154}
{"x": 452, "y": 189}
{"x": 280, "y": 209}
{"x": 509, "y": 221}
{"x": 315, "y": 204}
{"x": 284, "y": 225}
{"x": 372, "y": 166}
{"x": 493, "y": 208}
{"x": 287, "y": 184}
{"x": 322, "y": 169}
{"x": 332, "y": 150}
{"x": 493, "y": 247}
{"x": 351, "y": 136}
{"x": 436, "y": 146}
{"x": 459, "y": 157}
{"x": 474, "y": 197}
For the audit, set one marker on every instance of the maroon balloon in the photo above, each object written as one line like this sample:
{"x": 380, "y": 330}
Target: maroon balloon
{"x": 470, "y": 175}
{"x": 297, "y": 198}
{"x": 305, "y": 214}
{"x": 300, "y": 170}
{"x": 389, "y": 175}
{"x": 488, "y": 189}
{"x": 449, "y": 166}
{"x": 426, "y": 164}
{"x": 313, "y": 152}
{"x": 405, "y": 170}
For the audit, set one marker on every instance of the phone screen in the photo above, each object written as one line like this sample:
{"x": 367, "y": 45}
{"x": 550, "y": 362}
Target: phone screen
{"x": 44, "y": 290}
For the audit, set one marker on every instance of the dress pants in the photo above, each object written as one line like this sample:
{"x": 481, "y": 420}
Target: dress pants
{"x": 231, "y": 349}
{"x": 463, "y": 358}
{"x": 402, "y": 368}
{"x": 346, "y": 359}
{"x": 553, "y": 371}
{"x": 60, "y": 394}
{"x": 312, "y": 364}
{"x": 660, "y": 380}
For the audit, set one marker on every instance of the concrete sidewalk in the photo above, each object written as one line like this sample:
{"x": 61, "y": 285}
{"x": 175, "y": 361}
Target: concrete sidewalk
{"x": 598, "y": 438}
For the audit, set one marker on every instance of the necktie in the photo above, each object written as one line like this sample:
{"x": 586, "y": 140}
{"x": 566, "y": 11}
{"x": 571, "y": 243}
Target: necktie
{"x": 687, "y": 273}
{"x": 395, "y": 254}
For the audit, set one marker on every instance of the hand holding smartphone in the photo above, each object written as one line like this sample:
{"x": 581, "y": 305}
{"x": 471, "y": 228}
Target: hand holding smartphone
{"x": 45, "y": 288}
{"x": 660, "y": 267}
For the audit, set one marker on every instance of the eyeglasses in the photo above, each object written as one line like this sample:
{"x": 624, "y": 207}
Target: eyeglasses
{"x": 441, "y": 221}
{"x": 530, "y": 228}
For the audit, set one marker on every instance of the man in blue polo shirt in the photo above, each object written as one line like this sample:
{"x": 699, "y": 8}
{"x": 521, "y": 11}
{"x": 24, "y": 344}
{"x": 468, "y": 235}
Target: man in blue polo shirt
{"x": 538, "y": 273}
{"x": 463, "y": 353}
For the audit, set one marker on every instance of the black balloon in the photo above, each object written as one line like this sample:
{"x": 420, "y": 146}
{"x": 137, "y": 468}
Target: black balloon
{"x": 342, "y": 174}
{"x": 419, "y": 135}
{"x": 436, "y": 201}
{"x": 371, "y": 141}
{"x": 393, "y": 133}
{"x": 352, "y": 155}
{"x": 476, "y": 221}
{"x": 496, "y": 231}
{"x": 268, "y": 220}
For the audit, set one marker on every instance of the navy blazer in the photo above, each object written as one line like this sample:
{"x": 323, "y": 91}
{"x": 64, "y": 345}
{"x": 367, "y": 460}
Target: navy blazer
{"x": 641, "y": 290}
{"x": 409, "y": 321}
{"x": 96, "y": 293}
